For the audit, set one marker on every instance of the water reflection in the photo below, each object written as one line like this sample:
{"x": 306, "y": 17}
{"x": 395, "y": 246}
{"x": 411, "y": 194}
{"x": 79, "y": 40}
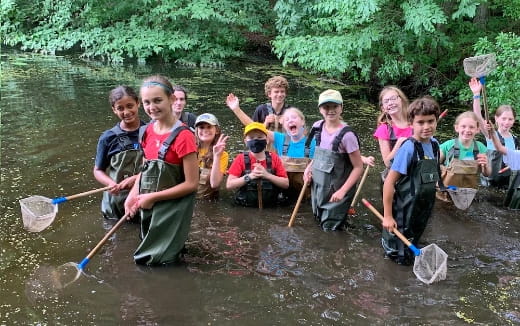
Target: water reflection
{"x": 242, "y": 266}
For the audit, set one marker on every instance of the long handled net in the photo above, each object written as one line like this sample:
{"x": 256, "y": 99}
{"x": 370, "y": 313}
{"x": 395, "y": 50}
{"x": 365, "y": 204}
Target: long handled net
{"x": 38, "y": 212}
{"x": 479, "y": 67}
{"x": 431, "y": 262}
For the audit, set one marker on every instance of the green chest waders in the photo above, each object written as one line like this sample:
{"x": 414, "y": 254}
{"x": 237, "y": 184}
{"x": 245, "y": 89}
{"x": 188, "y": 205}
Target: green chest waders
{"x": 412, "y": 204}
{"x": 330, "y": 170}
{"x": 247, "y": 195}
{"x": 122, "y": 165}
{"x": 164, "y": 227}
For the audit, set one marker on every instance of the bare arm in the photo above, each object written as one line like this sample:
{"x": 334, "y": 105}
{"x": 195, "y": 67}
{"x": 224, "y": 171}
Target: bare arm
{"x": 216, "y": 175}
{"x": 234, "y": 104}
{"x": 388, "y": 198}
{"x": 476, "y": 87}
{"x": 388, "y": 154}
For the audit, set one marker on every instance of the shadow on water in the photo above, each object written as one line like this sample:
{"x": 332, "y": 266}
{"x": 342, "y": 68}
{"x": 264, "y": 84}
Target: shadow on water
{"x": 242, "y": 266}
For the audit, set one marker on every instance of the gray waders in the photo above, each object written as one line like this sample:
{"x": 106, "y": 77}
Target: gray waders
{"x": 413, "y": 203}
{"x": 330, "y": 170}
{"x": 164, "y": 227}
{"x": 122, "y": 165}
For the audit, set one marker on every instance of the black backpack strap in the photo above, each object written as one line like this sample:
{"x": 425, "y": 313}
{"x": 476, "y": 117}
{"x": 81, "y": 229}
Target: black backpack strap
{"x": 286, "y": 143}
{"x": 269, "y": 161}
{"x": 339, "y": 137}
{"x": 517, "y": 142}
{"x": 177, "y": 128}
{"x": 247, "y": 163}
{"x": 315, "y": 133}
{"x": 437, "y": 156}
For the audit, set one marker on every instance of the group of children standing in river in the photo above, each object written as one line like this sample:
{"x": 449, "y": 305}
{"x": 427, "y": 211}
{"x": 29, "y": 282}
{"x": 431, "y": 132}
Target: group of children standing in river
{"x": 156, "y": 170}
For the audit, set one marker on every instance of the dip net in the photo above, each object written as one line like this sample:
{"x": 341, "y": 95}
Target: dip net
{"x": 431, "y": 265}
{"x": 462, "y": 197}
{"x": 38, "y": 212}
{"x": 480, "y": 66}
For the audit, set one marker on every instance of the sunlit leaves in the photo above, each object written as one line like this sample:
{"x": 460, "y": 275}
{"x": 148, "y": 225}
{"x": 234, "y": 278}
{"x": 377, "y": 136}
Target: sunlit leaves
{"x": 422, "y": 16}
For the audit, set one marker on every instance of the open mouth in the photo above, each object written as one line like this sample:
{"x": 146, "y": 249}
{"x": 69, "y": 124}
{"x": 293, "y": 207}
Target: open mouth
{"x": 292, "y": 128}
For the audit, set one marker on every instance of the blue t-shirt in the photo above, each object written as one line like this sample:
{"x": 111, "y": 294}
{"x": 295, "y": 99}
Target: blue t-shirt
{"x": 509, "y": 143}
{"x": 108, "y": 147}
{"x": 404, "y": 155}
{"x": 295, "y": 150}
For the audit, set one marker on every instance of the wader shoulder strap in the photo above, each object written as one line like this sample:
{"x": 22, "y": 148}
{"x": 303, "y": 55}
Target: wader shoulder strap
{"x": 247, "y": 162}
{"x": 177, "y": 128}
{"x": 286, "y": 143}
{"x": 339, "y": 137}
{"x": 142, "y": 130}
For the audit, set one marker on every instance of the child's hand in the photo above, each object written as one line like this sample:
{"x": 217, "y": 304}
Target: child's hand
{"x": 269, "y": 119}
{"x": 368, "y": 160}
{"x": 131, "y": 207}
{"x": 232, "y": 101}
{"x": 258, "y": 171}
{"x": 145, "y": 201}
{"x": 337, "y": 196}
{"x": 389, "y": 223}
{"x": 220, "y": 146}
{"x": 475, "y": 86}
{"x": 482, "y": 159}
{"x": 115, "y": 188}
{"x": 307, "y": 174}
{"x": 127, "y": 183}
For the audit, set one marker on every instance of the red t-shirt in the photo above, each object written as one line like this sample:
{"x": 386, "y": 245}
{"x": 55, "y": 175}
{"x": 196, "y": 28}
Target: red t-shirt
{"x": 238, "y": 166}
{"x": 183, "y": 145}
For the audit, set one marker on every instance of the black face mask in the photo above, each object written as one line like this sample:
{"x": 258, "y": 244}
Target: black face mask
{"x": 257, "y": 145}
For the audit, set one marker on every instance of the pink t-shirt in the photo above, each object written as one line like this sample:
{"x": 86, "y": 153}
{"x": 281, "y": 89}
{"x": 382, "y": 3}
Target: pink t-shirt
{"x": 383, "y": 132}
{"x": 349, "y": 142}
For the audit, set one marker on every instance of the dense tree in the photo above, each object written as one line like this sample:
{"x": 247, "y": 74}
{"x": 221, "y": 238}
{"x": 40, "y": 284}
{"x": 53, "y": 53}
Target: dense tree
{"x": 417, "y": 43}
{"x": 422, "y": 43}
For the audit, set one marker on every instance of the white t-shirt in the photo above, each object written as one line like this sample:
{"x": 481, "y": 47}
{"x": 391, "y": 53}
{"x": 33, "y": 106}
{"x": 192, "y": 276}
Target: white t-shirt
{"x": 512, "y": 159}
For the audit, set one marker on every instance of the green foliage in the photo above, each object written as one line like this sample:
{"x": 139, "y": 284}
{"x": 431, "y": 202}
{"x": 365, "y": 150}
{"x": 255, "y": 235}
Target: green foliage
{"x": 502, "y": 84}
{"x": 191, "y": 32}
{"x": 420, "y": 43}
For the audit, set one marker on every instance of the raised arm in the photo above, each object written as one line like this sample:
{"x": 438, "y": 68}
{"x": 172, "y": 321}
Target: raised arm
{"x": 234, "y": 104}
{"x": 476, "y": 87}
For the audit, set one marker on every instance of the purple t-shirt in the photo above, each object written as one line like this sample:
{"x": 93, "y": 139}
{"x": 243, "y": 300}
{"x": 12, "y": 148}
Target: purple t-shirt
{"x": 349, "y": 142}
{"x": 383, "y": 132}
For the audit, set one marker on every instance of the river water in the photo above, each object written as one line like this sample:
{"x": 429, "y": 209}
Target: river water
{"x": 242, "y": 266}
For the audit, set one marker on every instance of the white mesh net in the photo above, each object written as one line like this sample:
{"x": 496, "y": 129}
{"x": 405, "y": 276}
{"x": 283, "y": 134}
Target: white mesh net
{"x": 462, "y": 197}
{"x": 38, "y": 212}
{"x": 480, "y": 66}
{"x": 431, "y": 265}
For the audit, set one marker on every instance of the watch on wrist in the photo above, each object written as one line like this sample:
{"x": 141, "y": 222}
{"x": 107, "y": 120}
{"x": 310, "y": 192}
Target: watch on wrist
{"x": 247, "y": 178}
